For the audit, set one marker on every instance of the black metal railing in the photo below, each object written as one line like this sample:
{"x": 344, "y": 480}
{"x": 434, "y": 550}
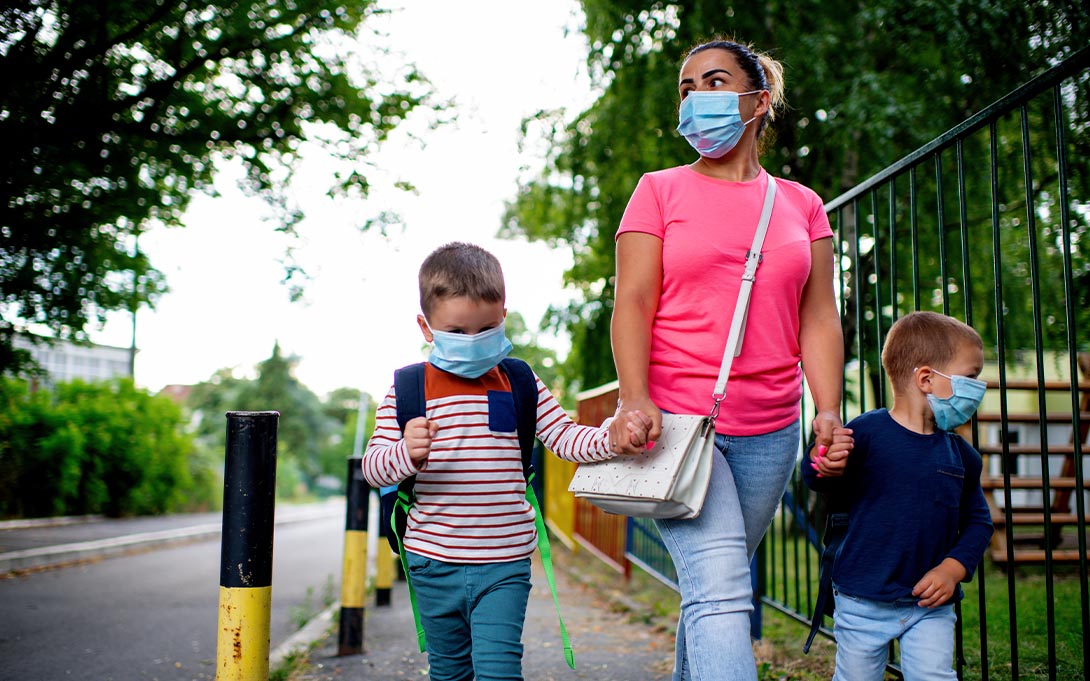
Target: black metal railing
{"x": 989, "y": 223}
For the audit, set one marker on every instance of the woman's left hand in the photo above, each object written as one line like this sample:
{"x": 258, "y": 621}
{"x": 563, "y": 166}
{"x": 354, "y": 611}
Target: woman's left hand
{"x": 823, "y": 426}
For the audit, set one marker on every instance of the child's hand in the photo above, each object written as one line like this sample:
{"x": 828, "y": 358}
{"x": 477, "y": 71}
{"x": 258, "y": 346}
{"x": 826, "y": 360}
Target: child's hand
{"x": 418, "y": 436}
{"x": 628, "y": 433}
{"x": 939, "y": 584}
{"x": 830, "y": 462}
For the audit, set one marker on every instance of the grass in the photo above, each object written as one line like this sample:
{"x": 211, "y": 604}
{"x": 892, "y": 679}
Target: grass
{"x": 300, "y": 614}
{"x": 1029, "y": 607}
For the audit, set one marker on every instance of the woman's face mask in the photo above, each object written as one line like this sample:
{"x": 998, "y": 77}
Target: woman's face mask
{"x": 469, "y": 356}
{"x": 711, "y": 122}
{"x": 951, "y": 412}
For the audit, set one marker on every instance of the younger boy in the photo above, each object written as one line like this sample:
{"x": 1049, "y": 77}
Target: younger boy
{"x": 918, "y": 522}
{"x": 470, "y": 533}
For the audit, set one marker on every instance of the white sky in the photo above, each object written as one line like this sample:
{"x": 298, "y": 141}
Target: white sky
{"x": 501, "y": 61}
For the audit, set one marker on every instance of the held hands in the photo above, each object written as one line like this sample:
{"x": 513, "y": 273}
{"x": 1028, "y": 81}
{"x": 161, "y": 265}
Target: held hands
{"x": 419, "y": 433}
{"x": 939, "y": 584}
{"x": 830, "y": 460}
{"x": 628, "y": 432}
{"x": 632, "y": 429}
{"x": 832, "y": 443}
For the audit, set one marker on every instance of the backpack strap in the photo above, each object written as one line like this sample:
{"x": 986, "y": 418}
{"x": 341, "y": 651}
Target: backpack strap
{"x": 524, "y": 390}
{"x": 396, "y": 501}
{"x": 836, "y": 527}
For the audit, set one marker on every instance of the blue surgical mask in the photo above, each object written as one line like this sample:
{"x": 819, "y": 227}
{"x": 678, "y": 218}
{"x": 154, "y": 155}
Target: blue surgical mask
{"x": 951, "y": 412}
{"x": 711, "y": 122}
{"x": 469, "y": 356}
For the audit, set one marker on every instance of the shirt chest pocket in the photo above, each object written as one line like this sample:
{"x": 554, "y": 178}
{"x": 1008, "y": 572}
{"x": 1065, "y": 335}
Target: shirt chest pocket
{"x": 501, "y": 412}
{"x": 949, "y": 480}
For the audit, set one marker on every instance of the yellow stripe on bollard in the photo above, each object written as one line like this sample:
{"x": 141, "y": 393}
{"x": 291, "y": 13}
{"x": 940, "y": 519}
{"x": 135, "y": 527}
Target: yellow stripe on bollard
{"x": 242, "y": 646}
{"x": 354, "y": 580}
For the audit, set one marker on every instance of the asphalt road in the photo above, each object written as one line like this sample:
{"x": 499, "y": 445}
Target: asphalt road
{"x": 153, "y": 614}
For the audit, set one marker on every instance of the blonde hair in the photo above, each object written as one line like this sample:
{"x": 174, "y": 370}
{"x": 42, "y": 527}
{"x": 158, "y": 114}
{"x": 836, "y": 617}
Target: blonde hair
{"x": 921, "y": 338}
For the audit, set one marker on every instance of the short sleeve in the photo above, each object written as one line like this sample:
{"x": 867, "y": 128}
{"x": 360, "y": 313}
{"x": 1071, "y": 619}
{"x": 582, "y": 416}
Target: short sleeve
{"x": 644, "y": 211}
{"x": 819, "y": 219}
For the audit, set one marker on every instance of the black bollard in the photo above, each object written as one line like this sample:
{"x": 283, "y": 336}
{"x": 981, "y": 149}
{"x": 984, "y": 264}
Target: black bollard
{"x": 249, "y": 493}
{"x": 354, "y": 579}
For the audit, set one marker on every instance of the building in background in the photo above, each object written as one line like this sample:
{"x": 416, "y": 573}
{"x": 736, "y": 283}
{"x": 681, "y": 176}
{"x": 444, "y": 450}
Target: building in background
{"x": 67, "y": 361}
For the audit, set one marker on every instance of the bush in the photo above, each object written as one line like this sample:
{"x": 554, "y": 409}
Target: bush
{"x": 91, "y": 448}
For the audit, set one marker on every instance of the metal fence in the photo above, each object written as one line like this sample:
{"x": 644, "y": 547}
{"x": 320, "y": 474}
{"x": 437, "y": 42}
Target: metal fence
{"x": 989, "y": 223}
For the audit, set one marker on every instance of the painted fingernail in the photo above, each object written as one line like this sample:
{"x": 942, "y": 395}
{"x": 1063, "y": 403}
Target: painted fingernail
{"x": 814, "y": 466}
{"x": 821, "y": 450}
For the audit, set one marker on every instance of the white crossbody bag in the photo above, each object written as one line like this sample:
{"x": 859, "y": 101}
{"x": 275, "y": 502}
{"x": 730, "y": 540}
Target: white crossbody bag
{"x": 670, "y": 480}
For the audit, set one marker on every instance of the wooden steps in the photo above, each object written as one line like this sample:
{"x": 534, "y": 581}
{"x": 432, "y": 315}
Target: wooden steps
{"x": 1022, "y": 539}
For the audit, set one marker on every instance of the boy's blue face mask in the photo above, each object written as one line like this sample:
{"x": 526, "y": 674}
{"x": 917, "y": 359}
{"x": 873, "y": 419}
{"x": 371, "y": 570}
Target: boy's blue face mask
{"x": 951, "y": 412}
{"x": 711, "y": 122}
{"x": 469, "y": 356}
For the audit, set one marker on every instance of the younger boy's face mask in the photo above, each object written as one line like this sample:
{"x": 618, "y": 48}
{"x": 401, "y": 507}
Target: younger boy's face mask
{"x": 951, "y": 412}
{"x": 469, "y": 356}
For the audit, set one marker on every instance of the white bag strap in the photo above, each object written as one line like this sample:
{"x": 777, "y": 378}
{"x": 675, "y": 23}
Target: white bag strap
{"x": 741, "y": 309}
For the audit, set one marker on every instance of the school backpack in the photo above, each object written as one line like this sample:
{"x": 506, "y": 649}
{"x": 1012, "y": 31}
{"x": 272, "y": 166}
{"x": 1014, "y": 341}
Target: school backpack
{"x": 397, "y": 500}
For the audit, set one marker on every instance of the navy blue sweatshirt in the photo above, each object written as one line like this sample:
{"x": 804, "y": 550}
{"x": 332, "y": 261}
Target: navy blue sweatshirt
{"x": 913, "y": 499}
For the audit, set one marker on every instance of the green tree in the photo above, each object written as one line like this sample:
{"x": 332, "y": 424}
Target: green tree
{"x": 342, "y": 405}
{"x": 112, "y": 114}
{"x": 867, "y": 83}
{"x": 304, "y": 428}
{"x": 91, "y": 448}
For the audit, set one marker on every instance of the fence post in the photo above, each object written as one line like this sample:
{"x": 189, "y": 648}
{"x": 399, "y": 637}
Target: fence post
{"x": 249, "y": 493}
{"x": 354, "y": 578}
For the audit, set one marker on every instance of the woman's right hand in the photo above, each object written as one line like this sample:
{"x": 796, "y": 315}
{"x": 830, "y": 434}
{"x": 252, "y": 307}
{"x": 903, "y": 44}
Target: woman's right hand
{"x": 625, "y": 441}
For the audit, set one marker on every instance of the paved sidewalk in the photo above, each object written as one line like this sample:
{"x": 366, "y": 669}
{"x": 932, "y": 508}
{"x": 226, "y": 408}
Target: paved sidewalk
{"x": 609, "y": 645}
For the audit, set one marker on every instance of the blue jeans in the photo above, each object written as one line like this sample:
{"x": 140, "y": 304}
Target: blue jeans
{"x": 711, "y": 554}
{"x": 472, "y": 616}
{"x": 864, "y": 629}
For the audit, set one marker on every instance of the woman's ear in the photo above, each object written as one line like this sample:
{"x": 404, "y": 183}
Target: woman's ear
{"x": 424, "y": 328}
{"x": 764, "y": 103}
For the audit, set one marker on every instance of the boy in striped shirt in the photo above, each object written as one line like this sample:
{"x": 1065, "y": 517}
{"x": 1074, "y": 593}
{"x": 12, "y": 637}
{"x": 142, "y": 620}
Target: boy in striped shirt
{"x": 470, "y": 533}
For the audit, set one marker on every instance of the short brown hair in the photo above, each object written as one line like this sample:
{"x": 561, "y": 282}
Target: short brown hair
{"x": 921, "y": 338}
{"x": 460, "y": 270}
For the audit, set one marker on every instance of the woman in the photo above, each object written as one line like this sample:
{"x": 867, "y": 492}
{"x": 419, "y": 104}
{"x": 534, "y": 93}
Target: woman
{"x": 681, "y": 247}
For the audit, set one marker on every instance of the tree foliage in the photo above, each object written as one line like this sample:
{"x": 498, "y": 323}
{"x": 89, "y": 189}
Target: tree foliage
{"x": 92, "y": 448}
{"x": 867, "y": 83}
{"x": 112, "y": 114}
{"x": 304, "y": 427}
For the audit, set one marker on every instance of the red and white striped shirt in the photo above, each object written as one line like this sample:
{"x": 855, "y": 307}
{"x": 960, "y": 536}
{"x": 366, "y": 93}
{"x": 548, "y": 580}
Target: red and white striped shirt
{"x": 471, "y": 491}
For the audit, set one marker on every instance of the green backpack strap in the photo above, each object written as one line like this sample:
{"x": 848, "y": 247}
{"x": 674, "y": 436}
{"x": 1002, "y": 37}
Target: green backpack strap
{"x": 547, "y": 564}
{"x": 402, "y": 505}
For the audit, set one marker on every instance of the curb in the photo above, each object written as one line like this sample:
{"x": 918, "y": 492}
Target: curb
{"x": 302, "y": 640}
{"x": 66, "y": 554}
{"x": 58, "y": 521}
{"x": 54, "y": 556}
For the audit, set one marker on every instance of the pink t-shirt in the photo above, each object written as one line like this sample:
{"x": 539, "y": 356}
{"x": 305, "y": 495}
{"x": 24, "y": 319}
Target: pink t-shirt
{"x": 706, "y": 226}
